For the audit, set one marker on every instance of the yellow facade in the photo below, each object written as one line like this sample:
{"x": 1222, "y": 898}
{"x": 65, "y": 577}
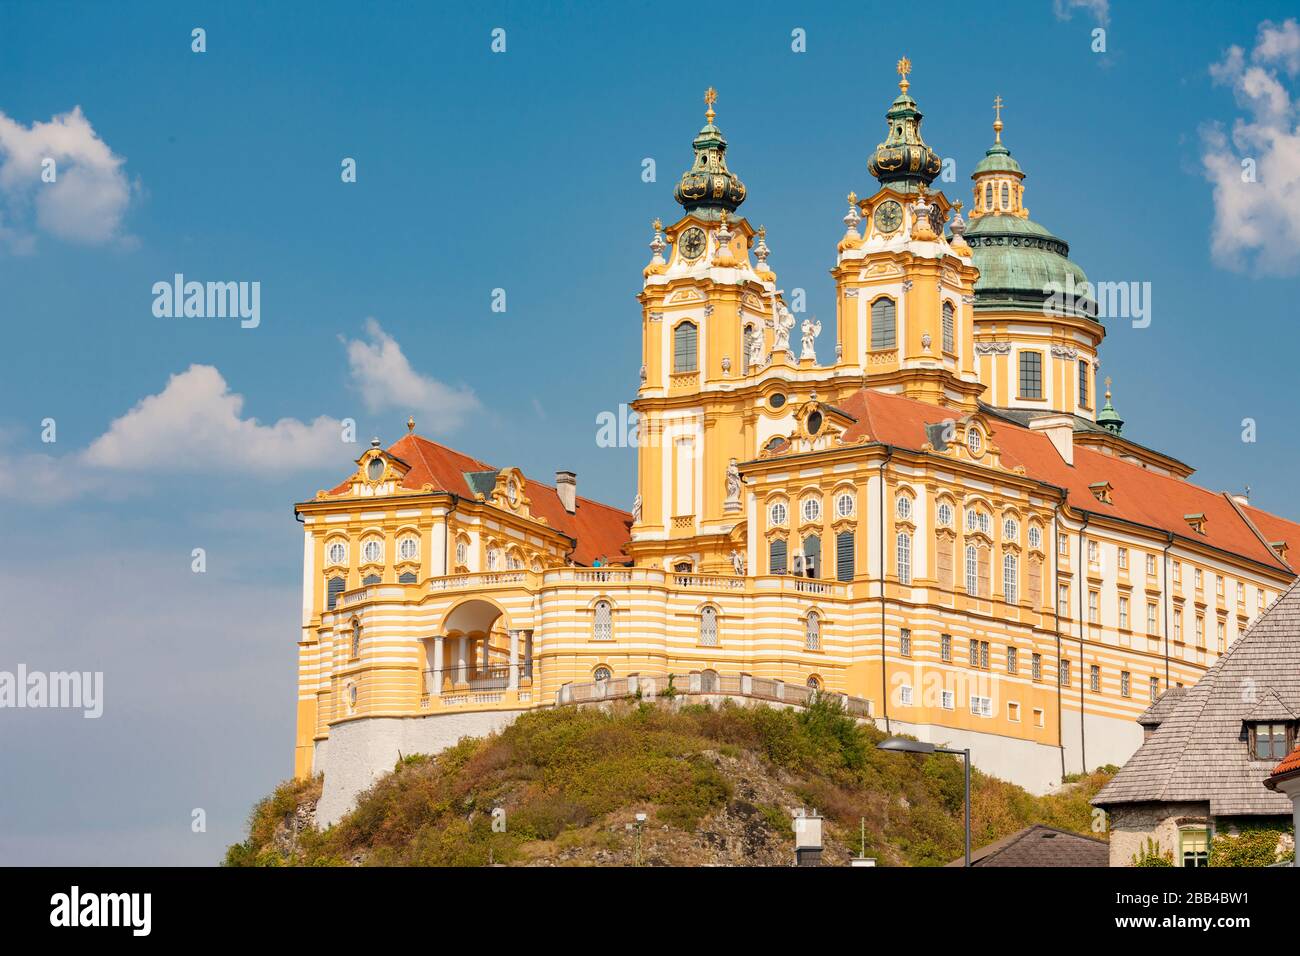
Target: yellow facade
{"x": 963, "y": 598}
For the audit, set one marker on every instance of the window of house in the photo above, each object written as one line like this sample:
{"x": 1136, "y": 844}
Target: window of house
{"x": 1012, "y": 660}
{"x": 1031, "y": 374}
{"x": 844, "y": 556}
{"x": 602, "y": 625}
{"x": 1218, "y": 585}
{"x": 1151, "y": 564}
{"x": 1178, "y": 627}
{"x": 337, "y": 552}
{"x": 1036, "y": 666}
{"x": 945, "y": 647}
{"x": 1013, "y": 711}
{"x": 1197, "y": 578}
{"x": 370, "y": 579}
{"x": 1038, "y": 717}
{"x": 948, "y": 326}
{"x": 1222, "y": 636}
{"x": 1178, "y": 572}
{"x": 981, "y": 706}
{"x": 1122, "y": 558}
{"x": 372, "y": 552}
{"x": 356, "y": 639}
{"x": 407, "y": 577}
{"x": 1010, "y": 578}
{"x": 462, "y": 552}
{"x": 814, "y": 682}
{"x": 1065, "y": 672}
{"x": 903, "y": 507}
{"x": 601, "y": 674}
{"x": 944, "y": 514}
{"x": 777, "y": 514}
{"x": 812, "y": 554}
{"x": 1093, "y": 601}
{"x": 844, "y": 505}
{"x": 1006, "y": 196}
{"x": 1151, "y": 618}
{"x": 988, "y": 197}
{"x": 1063, "y": 600}
{"x": 709, "y": 627}
{"x": 494, "y": 559}
{"x": 1084, "y": 392}
{"x": 1063, "y": 545}
{"x": 1153, "y": 688}
{"x": 813, "y": 631}
{"x": 1035, "y": 536}
{"x": 1092, "y": 552}
{"x": 979, "y": 654}
{"x": 685, "y": 350}
{"x": 1094, "y": 678}
{"x": 1194, "y": 846}
{"x": 1200, "y": 630}
{"x": 408, "y": 549}
{"x": 811, "y": 509}
{"x": 1124, "y": 683}
{"x": 974, "y": 442}
{"x": 972, "y": 569}
{"x": 1123, "y": 613}
{"x": 776, "y": 556}
{"x": 947, "y": 699}
{"x": 1270, "y": 741}
{"x": 905, "y": 642}
{"x": 905, "y": 695}
{"x": 332, "y": 591}
{"x": 904, "y": 543}
{"x": 1010, "y": 529}
{"x": 1241, "y": 593}
{"x": 882, "y": 324}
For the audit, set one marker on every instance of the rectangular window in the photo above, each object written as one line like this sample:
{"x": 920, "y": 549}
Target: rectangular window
{"x": 905, "y": 695}
{"x": 684, "y": 348}
{"x": 1197, "y": 578}
{"x": 905, "y": 642}
{"x": 1123, "y": 559}
{"x": 945, "y": 647}
{"x": 844, "y": 556}
{"x": 1094, "y": 678}
{"x": 1200, "y": 630}
{"x": 903, "y": 541}
{"x": 1151, "y": 618}
{"x": 1178, "y": 627}
{"x": 1063, "y": 600}
{"x": 947, "y": 699}
{"x": 1065, "y": 673}
{"x": 1093, "y": 600}
{"x": 981, "y": 706}
{"x": 1194, "y": 847}
{"x": 1241, "y": 593}
{"x": 1218, "y": 585}
{"x": 1124, "y": 678}
{"x": 1092, "y": 552}
{"x": 1123, "y": 613}
{"x": 1153, "y": 688}
{"x": 1084, "y": 397}
{"x": 1259, "y": 598}
{"x": 1151, "y": 564}
{"x": 1270, "y": 741}
{"x": 1038, "y": 717}
{"x": 1063, "y": 545}
{"x": 1222, "y": 635}
{"x": 882, "y": 324}
{"x": 1012, "y": 663}
{"x": 1178, "y": 572}
{"x": 1031, "y": 375}
{"x": 984, "y": 655}
{"x": 1013, "y": 711}
{"x": 1036, "y": 666}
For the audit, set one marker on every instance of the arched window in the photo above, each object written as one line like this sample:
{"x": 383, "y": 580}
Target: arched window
{"x": 776, "y": 556}
{"x": 949, "y": 324}
{"x": 1010, "y": 578}
{"x": 352, "y": 697}
{"x": 408, "y": 549}
{"x": 494, "y": 559}
{"x": 812, "y": 553}
{"x": 602, "y": 626}
{"x": 811, "y": 509}
{"x": 356, "y": 639}
{"x": 972, "y": 570}
{"x": 814, "y": 682}
{"x": 462, "y": 551}
{"x": 337, "y": 552}
{"x": 844, "y": 505}
{"x": 988, "y": 197}
{"x": 709, "y": 682}
{"x": 332, "y": 592}
{"x": 903, "y": 507}
{"x": 813, "y": 632}
{"x": 943, "y": 514}
{"x": 1006, "y": 196}
{"x": 684, "y": 347}
{"x": 709, "y": 627}
{"x": 777, "y": 514}
{"x": 904, "y": 542}
{"x": 1035, "y": 536}
{"x": 372, "y": 552}
{"x": 514, "y": 561}
{"x": 882, "y": 324}
{"x": 1011, "y": 529}
{"x": 602, "y": 673}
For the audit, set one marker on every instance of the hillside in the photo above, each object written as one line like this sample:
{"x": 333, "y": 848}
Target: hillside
{"x": 718, "y": 785}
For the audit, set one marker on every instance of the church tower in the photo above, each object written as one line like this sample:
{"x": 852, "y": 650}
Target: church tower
{"x": 904, "y": 289}
{"x": 707, "y": 332}
{"x": 1036, "y": 327}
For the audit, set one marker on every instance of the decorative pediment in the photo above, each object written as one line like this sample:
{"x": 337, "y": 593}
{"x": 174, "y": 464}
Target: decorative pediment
{"x": 378, "y": 474}
{"x": 685, "y": 295}
{"x": 508, "y": 493}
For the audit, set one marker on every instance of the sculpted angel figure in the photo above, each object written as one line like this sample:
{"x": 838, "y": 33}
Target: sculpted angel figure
{"x": 811, "y": 328}
{"x": 781, "y": 327}
{"x": 733, "y": 481}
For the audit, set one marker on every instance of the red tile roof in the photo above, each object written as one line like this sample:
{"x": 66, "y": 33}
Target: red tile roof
{"x": 1290, "y": 764}
{"x": 601, "y": 531}
{"x": 1137, "y": 494}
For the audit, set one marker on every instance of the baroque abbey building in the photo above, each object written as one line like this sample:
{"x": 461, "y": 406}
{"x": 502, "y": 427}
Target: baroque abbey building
{"x": 941, "y": 526}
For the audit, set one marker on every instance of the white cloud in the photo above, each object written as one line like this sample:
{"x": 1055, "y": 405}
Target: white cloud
{"x": 89, "y": 196}
{"x": 1257, "y": 218}
{"x": 383, "y": 375}
{"x": 195, "y": 424}
{"x": 1100, "y": 9}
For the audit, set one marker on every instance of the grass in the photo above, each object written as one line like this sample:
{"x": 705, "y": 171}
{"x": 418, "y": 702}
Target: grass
{"x": 559, "y": 774}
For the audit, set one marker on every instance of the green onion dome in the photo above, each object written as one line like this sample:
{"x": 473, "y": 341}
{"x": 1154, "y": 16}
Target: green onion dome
{"x": 708, "y": 188}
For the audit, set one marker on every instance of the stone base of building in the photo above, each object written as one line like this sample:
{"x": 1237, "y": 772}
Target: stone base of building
{"x": 359, "y": 752}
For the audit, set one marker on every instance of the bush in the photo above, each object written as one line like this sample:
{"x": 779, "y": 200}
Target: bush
{"x": 1152, "y": 855}
{"x": 1256, "y": 846}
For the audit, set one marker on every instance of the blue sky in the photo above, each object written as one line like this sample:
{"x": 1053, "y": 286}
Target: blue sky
{"x": 521, "y": 171}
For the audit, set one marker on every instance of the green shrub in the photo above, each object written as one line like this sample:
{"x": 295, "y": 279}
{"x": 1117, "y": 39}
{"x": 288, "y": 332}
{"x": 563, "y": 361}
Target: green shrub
{"x": 1255, "y": 846}
{"x": 1152, "y": 855}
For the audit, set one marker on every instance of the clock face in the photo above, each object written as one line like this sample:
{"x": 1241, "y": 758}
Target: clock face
{"x": 889, "y": 216}
{"x": 693, "y": 243}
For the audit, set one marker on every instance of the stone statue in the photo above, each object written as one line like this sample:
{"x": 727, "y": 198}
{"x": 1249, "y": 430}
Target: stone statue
{"x": 781, "y": 327}
{"x": 755, "y": 346}
{"x": 811, "y": 328}
{"x": 733, "y": 487}
{"x": 738, "y": 562}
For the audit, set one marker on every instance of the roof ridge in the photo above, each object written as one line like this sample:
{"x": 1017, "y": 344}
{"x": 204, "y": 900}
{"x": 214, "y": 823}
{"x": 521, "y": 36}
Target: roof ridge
{"x": 1255, "y": 528}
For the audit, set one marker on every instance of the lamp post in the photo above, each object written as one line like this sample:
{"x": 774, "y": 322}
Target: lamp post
{"x": 907, "y": 745}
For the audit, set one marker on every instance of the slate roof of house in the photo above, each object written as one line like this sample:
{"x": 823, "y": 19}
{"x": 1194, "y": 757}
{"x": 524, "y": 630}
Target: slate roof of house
{"x": 1041, "y": 845}
{"x": 600, "y": 530}
{"x": 1162, "y": 707}
{"x": 1198, "y": 753}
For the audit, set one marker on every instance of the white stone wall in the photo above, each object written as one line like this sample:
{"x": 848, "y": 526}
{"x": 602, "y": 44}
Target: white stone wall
{"x": 359, "y": 752}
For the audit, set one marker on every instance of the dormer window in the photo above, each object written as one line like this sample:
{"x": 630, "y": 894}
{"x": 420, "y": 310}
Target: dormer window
{"x": 1271, "y": 741}
{"x": 1279, "y": 548}
{"x": 1101, "y": 491}
{"x": 974, "y": 441}
{"x": 1196, "y": 522}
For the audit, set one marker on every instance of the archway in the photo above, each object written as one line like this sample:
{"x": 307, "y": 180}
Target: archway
{"x": 476, "y": 650}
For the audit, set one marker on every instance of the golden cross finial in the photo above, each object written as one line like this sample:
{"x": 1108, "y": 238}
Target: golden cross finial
{"x": 904, "y": 68}
{"x": 997, "y": 118}
{"x": 1108, "y": 388}
{"x": 710, "y": 97}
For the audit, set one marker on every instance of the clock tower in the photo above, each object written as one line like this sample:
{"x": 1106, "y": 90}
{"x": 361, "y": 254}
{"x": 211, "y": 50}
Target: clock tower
{"x": 905, "y": 290}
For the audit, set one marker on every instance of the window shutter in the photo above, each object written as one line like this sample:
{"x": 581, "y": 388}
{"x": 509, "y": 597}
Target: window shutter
{"x": 335, "y": 589}
{"x": 882, "y": 324}
{"x": 776, "y": 557}
{"x": 844, "y": 556}
{"x": 812, "y": 548}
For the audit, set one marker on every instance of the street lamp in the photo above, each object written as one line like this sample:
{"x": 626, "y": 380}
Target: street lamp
{"x": 907, "y": 745}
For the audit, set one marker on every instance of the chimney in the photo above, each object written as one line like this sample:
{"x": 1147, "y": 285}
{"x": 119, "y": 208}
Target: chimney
{"x": 566, "y": 486}
{"x": 1059, "y": 430}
